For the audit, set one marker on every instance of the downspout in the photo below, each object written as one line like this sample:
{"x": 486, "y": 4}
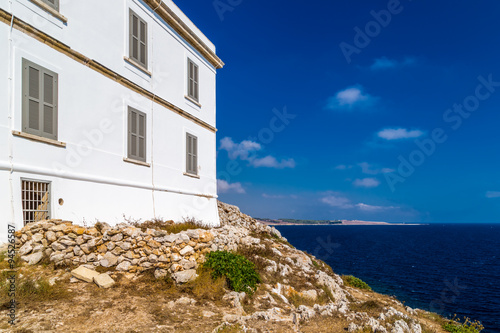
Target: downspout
{"x": 152, "y": 119}
{"x": 11, "y": 118}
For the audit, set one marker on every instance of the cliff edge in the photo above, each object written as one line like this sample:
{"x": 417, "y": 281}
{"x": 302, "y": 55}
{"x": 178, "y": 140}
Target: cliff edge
{"x": 152, "y": 277}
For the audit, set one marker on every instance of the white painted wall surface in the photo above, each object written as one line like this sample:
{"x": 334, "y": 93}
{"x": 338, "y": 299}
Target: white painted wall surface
{"x": 90, "y": 174}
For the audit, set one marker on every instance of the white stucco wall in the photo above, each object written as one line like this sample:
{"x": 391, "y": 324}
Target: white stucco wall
{"x": 90, "y": 174}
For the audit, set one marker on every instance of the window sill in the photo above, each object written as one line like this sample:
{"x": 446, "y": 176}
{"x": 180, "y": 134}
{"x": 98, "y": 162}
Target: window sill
{"x": 137, "y": 65}
{"x": 50, "y": 10}
{"x": 192, "y": 100}
{"x": 191, "y": 175}
{"x": 129, "y": 160}
{"x": 39, "y": 139}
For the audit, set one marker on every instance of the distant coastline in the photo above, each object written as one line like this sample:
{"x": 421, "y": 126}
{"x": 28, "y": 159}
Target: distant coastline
{"x": 278, "y": 222}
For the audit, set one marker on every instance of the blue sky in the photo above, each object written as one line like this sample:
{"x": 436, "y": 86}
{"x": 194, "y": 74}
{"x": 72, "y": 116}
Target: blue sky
{"x": 375, "y": 110}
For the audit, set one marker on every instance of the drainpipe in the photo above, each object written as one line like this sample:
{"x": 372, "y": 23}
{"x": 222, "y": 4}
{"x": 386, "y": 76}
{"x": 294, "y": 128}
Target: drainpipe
{"x": 152, "y": 118}
{"x": 11, "y": 117}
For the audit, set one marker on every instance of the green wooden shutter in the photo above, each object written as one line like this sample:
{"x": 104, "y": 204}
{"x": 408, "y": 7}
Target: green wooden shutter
{"x": 138, "y": 37}
{"x": 195, "y": 83}
{"x": 193, "y": 80}
{"x": 136, "y": 138}
{"x": 134, "y": 36}
{"x": 188, "y": 155}
{"x": 191, "y": 154}
{"x": 32, "y": 100}
{"x": 49, "y": 120}
{"x": 40, "y": 98}
{"x": 195, "y": 155}
{"x": 143, "y": 45}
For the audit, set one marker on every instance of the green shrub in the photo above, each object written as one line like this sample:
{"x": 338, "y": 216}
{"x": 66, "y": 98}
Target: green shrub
{"x": 240, "y": 273}
{"x": 353, "y": 281}
{"x": 455, "y": 326}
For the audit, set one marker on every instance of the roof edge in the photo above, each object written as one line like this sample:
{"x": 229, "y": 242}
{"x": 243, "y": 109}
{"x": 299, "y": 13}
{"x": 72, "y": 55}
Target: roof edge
{"x": 184, "y": 31}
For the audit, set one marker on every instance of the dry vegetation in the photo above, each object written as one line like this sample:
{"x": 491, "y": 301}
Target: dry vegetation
{"x": 169, "y": 225}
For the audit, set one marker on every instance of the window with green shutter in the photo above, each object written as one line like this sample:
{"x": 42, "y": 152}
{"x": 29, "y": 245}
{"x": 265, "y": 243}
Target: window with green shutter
{"x": 136, "y": 135}
{"x": 138, "y": 39}
{"x": 193, "y": 80}
{"x": 52, "y": 3}
{"x": 191, "y": 154}
{"x": 40, "y": 100}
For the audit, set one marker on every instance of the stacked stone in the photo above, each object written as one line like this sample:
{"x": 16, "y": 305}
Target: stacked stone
{"x": 232, "y": 216}
{"x": 129, "y": 249}
{"x": 124, "y": 246}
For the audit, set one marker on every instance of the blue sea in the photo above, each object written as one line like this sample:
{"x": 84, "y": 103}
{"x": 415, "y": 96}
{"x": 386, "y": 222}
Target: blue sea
{"x": 444, "y": 268}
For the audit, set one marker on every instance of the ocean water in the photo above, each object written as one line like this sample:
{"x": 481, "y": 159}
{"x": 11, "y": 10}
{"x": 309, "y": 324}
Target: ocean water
{"x": 444, "y": 268}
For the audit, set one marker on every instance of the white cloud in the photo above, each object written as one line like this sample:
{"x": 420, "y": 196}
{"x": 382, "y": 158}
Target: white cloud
{"x": 493, "y": 194}
{"x": 272, "y": 162}
{"x": 337, "y": 201}
{"x": 370, "y": 208}
{"x": 386, "y": 63}
{"x": 278, "y": 196}
{"x": 366, "y": 182}
{"x": 350, "y": 98}
{"x": 399, "y": 134}
{"x": 241, "y": 150}
{"x": 343, "y": 167}
{"x": 371, "y": 169}
{"x": 225, "y": 187}
{"x": 248, "y": 151}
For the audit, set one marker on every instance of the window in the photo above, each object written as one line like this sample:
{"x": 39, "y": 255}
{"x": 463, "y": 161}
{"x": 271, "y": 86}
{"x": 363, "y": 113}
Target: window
{"x": 36, "y": 200}
{"x": 52, "y": 3}
{"x": 138, "y": 40}
{"x": 136, "y": 135}
{"x": 191, "y": 154}
{"x": 193, "y": 80}
{"x": 39, "y": 101}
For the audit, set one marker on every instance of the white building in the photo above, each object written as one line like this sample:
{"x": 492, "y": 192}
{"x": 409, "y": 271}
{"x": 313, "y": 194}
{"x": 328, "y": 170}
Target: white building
{"x": 107, "y": 109}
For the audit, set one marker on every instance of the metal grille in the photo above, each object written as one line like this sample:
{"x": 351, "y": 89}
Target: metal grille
{"x": 36, "y": 201}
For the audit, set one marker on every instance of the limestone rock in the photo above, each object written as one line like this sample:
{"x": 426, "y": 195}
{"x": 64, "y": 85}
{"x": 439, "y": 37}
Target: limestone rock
{"x": 187, "y": 251}
{"x": 184, "y": 276}
{"x": 37, "y": 238}
{"x": 104, "y": 281}
{"x": 109, "y": 260}
{"x": 401, "y": 326}
{"x": 85, "y": 274}
{"x": 123, "y": 266}
{"x": 56, "y": 246}
{"x": 160, "y": 273}
{"x": 33, "y": 258}
{"x": 26, "y": 248}
{"x": 117, "y": 237}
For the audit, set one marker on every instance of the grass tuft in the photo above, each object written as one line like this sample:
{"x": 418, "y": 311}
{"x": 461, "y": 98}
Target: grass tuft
{"x": 468, "y": 326}
{"x": 354, "y": 282}
{"x": 170, "y": 226}
{"x": 238, "y": 271}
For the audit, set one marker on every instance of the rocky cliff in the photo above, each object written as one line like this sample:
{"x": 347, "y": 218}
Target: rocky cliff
{"x": 154, "y": 282}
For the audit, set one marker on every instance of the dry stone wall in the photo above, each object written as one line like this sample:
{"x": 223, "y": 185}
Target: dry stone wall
{"x": 129, "y": 249}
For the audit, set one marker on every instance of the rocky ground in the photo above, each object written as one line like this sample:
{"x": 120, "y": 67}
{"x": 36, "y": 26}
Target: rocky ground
{"x": 298, "y": 293}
